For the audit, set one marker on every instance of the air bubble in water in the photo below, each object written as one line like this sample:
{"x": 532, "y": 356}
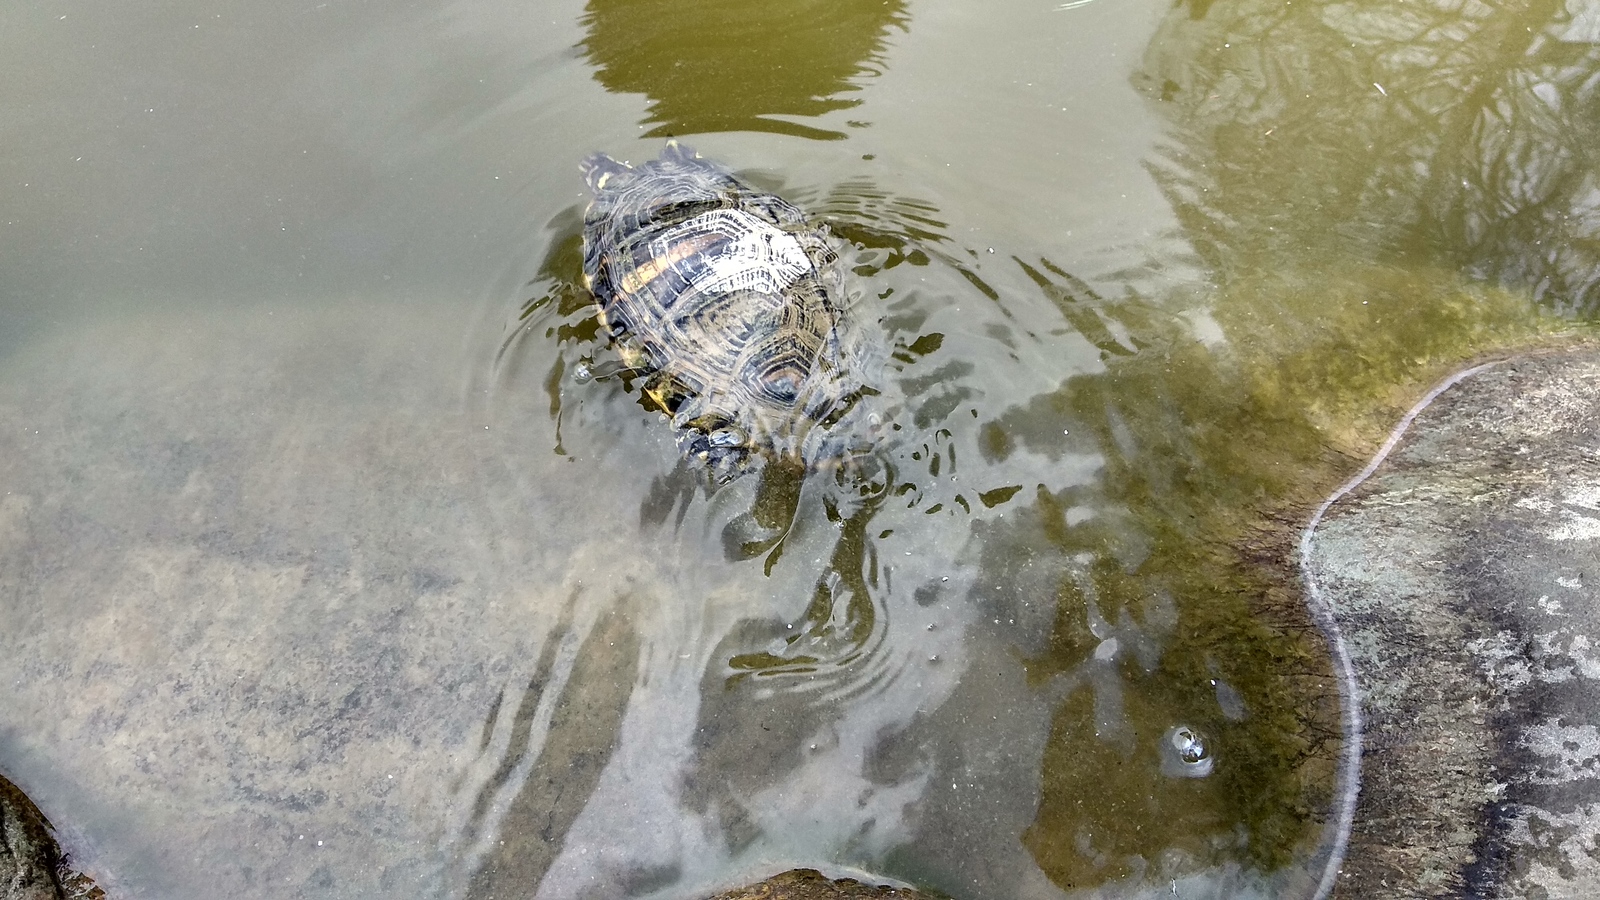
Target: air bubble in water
{"x": 728, "y": 437}
{"x": 1191, "y": 749}
{"x": 582, "y": 374}
{"x": 1184, "y": 753}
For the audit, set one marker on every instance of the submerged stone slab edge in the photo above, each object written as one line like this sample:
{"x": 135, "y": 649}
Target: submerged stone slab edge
{"x": 809, "y": 884}
{"x": 32, "y": 867}
{"x": 31, "y": 863}
{"x": 28, "y": 853}
{"x": 1462, "y": 578}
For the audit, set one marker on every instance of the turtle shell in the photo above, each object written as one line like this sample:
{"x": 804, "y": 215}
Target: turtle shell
{"x": 730, "y": 302}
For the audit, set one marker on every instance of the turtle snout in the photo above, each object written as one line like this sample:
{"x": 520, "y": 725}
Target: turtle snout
{"x": 722, "y": 446}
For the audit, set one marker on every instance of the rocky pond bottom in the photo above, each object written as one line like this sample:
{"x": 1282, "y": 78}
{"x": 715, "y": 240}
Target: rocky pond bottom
{"x": 1460, "y": 572}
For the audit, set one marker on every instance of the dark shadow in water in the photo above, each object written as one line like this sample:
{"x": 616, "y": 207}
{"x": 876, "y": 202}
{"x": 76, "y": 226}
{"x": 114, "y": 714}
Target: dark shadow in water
{"x": 585, "y": 714}
{"x": 763, "y": 703}
{"x": 1427, "y": 133}
{"x": 760, "y": 530}
{"x": 841, "y": 620}
{"x": 733, "y": 65}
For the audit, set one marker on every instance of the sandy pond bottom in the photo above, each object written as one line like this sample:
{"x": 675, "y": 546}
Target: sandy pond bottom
{"x": 251, "y": 619}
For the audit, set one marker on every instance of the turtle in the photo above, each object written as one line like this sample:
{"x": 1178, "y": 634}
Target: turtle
{"x": 733, "y": 307}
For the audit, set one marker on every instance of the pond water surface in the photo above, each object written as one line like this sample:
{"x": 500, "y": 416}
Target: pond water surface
{"x": 328, "y": 570}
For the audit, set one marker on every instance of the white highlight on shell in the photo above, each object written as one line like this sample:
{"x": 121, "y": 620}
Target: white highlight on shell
{"x": 760, "y": 257}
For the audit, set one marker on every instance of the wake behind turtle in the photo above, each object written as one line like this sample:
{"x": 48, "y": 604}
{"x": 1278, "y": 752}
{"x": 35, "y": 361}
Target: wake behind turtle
{"x": 731, "y": 304}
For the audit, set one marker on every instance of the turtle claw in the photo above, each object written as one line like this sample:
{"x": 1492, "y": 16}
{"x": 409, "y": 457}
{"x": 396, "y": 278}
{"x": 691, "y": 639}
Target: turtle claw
{"x": 599, "y": 168}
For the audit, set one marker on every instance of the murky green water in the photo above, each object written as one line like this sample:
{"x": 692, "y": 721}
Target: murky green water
{"x": 323, "y": 574}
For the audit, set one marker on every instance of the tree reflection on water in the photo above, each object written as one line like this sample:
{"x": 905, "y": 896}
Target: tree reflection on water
{"x": 729, "y": 65}
{"x": 1441, "y": 133}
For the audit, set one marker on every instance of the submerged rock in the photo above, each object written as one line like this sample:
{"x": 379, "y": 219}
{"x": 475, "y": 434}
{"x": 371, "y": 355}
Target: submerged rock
{"x": 32, "y": 866}
{"x": 1462, "y": 575}
{"x": 28, "y": 854}
{"x": 809, "y": 884}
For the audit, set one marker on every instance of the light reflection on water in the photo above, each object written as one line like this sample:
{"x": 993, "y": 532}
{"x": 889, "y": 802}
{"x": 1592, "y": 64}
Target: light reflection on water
{"x": 267, "y": 575}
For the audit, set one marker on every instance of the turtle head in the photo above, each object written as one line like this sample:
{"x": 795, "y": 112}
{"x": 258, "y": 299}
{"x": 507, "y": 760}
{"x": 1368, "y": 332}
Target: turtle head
{"x": 721, "y": 446}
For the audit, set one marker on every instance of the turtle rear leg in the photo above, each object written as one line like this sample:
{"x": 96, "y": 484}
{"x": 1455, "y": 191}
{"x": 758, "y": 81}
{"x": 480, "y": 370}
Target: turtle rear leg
{"x": 598, "y": 168}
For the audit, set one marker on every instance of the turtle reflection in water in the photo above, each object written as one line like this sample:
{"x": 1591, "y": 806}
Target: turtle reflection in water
{"x": 733, "y": 307}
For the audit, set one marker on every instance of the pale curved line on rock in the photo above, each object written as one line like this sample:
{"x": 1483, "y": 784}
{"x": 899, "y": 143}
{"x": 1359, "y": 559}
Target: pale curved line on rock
{"x": 1322, "y": 614}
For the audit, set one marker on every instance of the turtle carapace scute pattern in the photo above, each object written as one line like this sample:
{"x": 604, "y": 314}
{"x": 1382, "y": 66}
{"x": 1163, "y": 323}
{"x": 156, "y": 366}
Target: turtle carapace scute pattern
{"x": 730, "y": 303}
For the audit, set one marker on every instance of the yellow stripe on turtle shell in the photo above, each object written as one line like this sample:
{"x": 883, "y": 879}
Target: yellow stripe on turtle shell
{"x": 652, "y": 268}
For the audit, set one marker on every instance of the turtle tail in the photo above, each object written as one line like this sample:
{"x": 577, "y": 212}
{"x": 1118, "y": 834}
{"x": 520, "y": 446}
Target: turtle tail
{"x": 598, "y": 168}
